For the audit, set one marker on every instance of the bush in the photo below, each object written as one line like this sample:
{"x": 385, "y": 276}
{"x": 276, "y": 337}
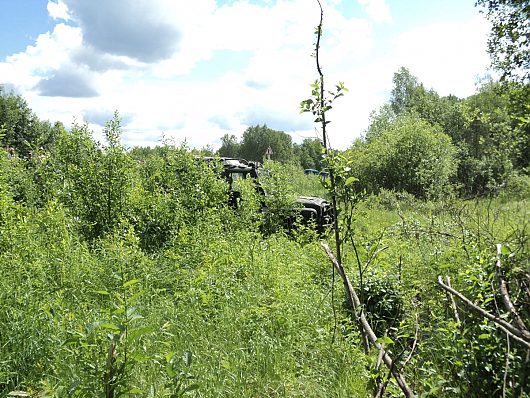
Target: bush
{"x": 517, "y": 187}
{"x": 411, "y": 156}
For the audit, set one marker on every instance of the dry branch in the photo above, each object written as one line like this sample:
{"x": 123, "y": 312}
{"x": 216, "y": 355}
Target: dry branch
{"x": 366, "y": 328}
{"x": 514, "y": 332}
{"x": 503, "y": 286}
{"x": 453, "y": 303}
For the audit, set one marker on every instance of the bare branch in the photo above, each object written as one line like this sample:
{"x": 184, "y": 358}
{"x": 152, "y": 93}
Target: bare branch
{"x": 453, "y": 303}
{"x": 503, "y": 286}
{"x": 366, "y": 328}
{"x": 514, "y": 332}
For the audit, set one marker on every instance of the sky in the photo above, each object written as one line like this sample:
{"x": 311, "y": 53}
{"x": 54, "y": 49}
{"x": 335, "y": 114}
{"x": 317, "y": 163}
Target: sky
{"x": 193, "y": 71}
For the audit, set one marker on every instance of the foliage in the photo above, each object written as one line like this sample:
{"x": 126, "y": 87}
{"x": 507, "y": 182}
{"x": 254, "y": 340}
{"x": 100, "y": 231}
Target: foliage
{"x": 509, "y": 41}
{"x": 23, "y": 130}
{"x": 230, "y": 147}
{"x": 309, "y": 153}
{"x": 488, "y": 128}
{"x": 257, "y": 139}
{"x": 119, "y": 267}
{"x": 279, "y": 197}
{"x": 410, "y": 156}
{"x": 490, "y": 138}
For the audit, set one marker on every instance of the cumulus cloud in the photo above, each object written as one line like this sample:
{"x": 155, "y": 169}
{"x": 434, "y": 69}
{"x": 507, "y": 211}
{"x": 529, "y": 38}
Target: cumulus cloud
{"x": 443, "y": 56}
{"x": 134, "y": 29}
{"x": 151, "y": 61}
{"x": 70, "y": 82}
{"x": 58, "y": 10}
{"x": 377, "y": 10}
{"x": 282, "y": 121}
{"x": 99, "y": 62}
{"x": 101, "y": 116}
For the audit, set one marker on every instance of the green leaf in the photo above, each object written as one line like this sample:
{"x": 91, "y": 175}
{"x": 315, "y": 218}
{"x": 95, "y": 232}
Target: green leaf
{"x": 135, "y": 296}
{"x": 131, "y": 282}
{"x": 139, "y": 332}
{"x": 170, "y": 371}
{"x": 350, "y": 180}
{"x": 384, "y": 340}
{"x": 505, "y": 251}
{"x": 484, "y": 336}
{"x": 169, "y": 356}
{"x": 191, "y": 387}
{"x": 109, "y": 326}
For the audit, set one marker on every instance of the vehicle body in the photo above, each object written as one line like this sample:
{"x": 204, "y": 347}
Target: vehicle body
{"x": 311, "y": 172}
{"x": 308, "y": 210}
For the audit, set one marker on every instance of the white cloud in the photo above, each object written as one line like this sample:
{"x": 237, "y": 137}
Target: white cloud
{"x": 377, "y": 10}
{"x": 58, "y": 10}
{"x": 162, "y": 93}
{"x": 446, "y": 56}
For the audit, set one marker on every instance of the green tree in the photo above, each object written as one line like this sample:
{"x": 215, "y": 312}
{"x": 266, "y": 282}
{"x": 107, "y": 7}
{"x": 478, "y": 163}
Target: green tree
{"x": 410, "y": 96}
{"x": 230, "y": 146}
{"x": 491, "y": 141}
{"x": 509, "y": 41}
{"x": 309, "y": 154}
{"x": 404, "y": 88}
{"x": 257, "y": 139}
{"x": 93, "y": 182}
{"x": 23, "y": 129}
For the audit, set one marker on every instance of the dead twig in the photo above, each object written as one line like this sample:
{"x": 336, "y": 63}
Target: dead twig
{"x": 453, "y": 303}
{"x": 366, "y": 328}
{"x": 503, "y": 286}
{"x": 508, "y": 328}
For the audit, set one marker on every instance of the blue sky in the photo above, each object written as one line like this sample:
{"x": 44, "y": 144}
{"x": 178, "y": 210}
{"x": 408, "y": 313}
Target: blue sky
{"x": 197, "y": 71}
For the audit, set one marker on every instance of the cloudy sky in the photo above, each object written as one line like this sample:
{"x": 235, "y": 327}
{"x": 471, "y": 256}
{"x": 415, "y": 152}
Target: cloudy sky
{"x": 196, "y": 70}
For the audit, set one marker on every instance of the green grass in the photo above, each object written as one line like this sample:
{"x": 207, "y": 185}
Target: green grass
{"x": 258, "y": 314}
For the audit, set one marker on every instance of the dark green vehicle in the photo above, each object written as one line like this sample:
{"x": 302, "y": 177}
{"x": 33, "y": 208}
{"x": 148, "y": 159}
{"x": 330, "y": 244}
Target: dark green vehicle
{"x": 309, "y": 210}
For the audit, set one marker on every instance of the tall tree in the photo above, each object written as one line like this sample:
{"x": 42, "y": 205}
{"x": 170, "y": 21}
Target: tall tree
{"x": 509, "y": 41}
{"x": 23, "y": 129}
{"x": 405, "y": 84}
{"x": 257, "y": 139}
{"x": 230, "y": 147}
{"x": 309, "y": 154}
{"x": 491, "y": 143}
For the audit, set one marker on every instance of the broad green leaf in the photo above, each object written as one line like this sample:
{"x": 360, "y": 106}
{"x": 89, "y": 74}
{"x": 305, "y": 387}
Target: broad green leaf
{"x": 109, "y": 326}
{"x": 505, "y": 250}
{"x": 190, "y": 388}
{"x": 385, "y": 339}
{"x": 139, "y": 332}
{"x": 131, "y": 282}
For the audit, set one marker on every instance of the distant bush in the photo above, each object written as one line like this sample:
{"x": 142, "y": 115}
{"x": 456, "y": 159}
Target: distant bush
{"x": 410, "y": 156}
{"x": 517, "y": 187}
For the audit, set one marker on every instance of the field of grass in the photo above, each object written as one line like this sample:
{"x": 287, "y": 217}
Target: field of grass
{"x": 218, "y": 309}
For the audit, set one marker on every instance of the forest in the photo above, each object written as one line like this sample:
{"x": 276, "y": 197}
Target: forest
{"x": 125, "y": 273}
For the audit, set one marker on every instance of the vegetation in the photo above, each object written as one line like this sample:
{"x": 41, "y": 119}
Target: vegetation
{"x": 509, "y": 41}
{"x": 126, "y": 274}
{"x": 172, "y": 293}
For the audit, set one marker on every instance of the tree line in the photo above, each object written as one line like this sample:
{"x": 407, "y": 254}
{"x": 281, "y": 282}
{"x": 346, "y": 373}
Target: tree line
{"x": 419, "y": 141}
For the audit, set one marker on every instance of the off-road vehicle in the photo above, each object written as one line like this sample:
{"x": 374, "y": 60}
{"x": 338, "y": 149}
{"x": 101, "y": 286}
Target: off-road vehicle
{"x": 309, "y": 210}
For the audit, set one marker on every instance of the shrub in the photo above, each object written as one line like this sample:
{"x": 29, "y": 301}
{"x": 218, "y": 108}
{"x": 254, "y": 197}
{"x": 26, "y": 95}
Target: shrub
{"x": 411, "y": 156}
